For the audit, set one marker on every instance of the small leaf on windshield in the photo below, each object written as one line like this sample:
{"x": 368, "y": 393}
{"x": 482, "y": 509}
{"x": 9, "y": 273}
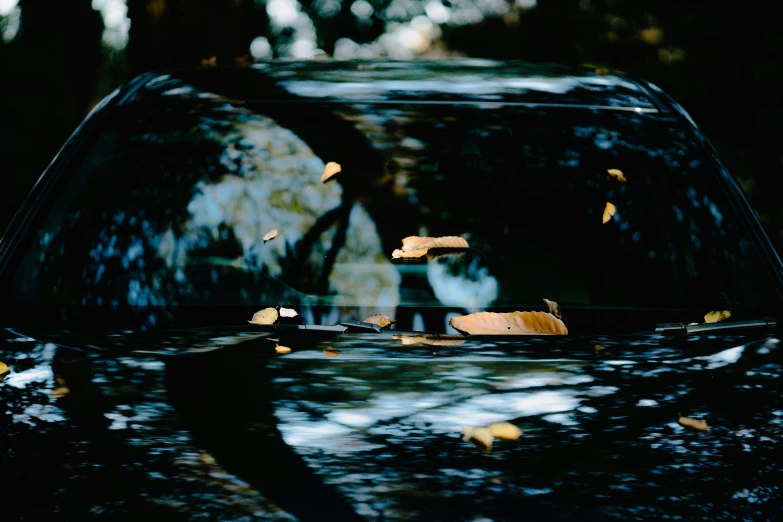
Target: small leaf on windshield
{"x": 554, "y": 308}
{"x": 3, "y": 368}
{"x": 417, "y": 247}
{"x": 61, "y": 388}
{"x": 432, "y": 339}
{"x": 504, "y": 430}
{"x": 617, "y": 174}
{"x": 717, "y": 316}
{"x": 330, "y": 171}
{"x": 478, "y": 435}
{"x": 288, "y": 312}
{"x": 331, "y": 352}
{"x": 694, "y": 424}
{"x": 609, "y": 212}
{"x": 282, "y": 349}
{"x": 381, "y": 320}
{"x": 514, "y": 323}
{"x": 265, "y": 316}
{"x": 270, "y": 235}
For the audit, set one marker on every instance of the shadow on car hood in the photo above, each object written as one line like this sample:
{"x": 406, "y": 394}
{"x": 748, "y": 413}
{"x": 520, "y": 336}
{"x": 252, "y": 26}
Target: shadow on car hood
{"x": 217, "y": 424}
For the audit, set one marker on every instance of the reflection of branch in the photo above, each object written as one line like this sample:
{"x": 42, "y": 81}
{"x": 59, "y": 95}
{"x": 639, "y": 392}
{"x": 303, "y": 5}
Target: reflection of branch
{"x": 293, "y": 271}
{"x": 337, "y": 244}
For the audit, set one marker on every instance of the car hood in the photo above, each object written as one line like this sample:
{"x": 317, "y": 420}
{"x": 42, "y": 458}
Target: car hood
{"x": 218, "y": 424}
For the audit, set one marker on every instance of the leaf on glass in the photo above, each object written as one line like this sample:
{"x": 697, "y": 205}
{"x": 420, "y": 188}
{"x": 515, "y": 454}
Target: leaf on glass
{"x": 513, "y": 323}
{"x": 694, "y": 424}
{"x": 282, "y": 349}
{"x": 609, "y": 212}
{"x": 381, "y": 320}
{"x": 554, "y": 308}
{"x": 414, "y": 247}
{"x": 717, "y": 316}
{"x": 288, "y": 312}
{"x": 61, "y": 388}
{"x": 265, "y": 316}
{"x": 478, "y": 435}
{"x": 504, "y": 430}
{"x": 431, "y": 339}
{"x": 331, "y": 352}
{"x": 330, "y": 171}
{"x": 3, "y": 370}
{"x": 617, "y": 174}
{"x": 270, "y": 235}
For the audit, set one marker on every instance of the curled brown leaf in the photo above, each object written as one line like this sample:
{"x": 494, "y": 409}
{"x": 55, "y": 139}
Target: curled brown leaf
{"x": 717, "y": 316}
{"x": 431, "y": 339}
{"x": 282, "y": 349}
{"x": 617, "y": 174}
{"x": 265, "y": 316}
{"x": 270, "y": 235}
{"x": 694, "y": 424}
{"x": 3, "y": 368}
{"x": 381, "y": 320}
{"x": 330, "y": 170}
{"x": 513, "y": 323}
{"x": 331, "y": 352}
{"x": 609, "y": 212}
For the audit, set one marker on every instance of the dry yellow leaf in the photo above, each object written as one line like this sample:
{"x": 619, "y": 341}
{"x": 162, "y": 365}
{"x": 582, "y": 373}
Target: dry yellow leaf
{"x": 695, "y": 424}
{"x": 270, "y": 235}
{"x": 61, "y": 388}
{"x": 282, "y": 349}
{"x": 417, "y": 247}
{"x": 265, "y": 316}
{"x": 609, "y": 212}
{"x": 717, "y": 316}
{"x": 288, "y": 312}
{"x": 617, "y": 174}
{"x": 3, "y": 368}
{"x": 479, "y": 435}
{"x": 554, "y": 308}
{"x": 330, "y": 171}
{"x": 432, "y": 339}
{"x": 513, "y": 323}
{"x": 331, "y": 352}
{"x": 504, "y": 430}
{"x": 381, "y": 320}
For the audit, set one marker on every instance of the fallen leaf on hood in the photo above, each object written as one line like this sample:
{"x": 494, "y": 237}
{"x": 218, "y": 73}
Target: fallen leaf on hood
{"x": 432, "y": 339}
{"x": 617, "y": 174}
{"x": 330, "y": 171}
{"x": 417, "y": 247}
{"x": 282, "y": 349}
{"x": 513, "y": 323}
{"x": 381, "y": 320}
{"x": 504, "y": 430}
{"x": 554, "y": 308}
{"x": 265, "y": 316}
{"x": 695, "y": 424}
{"x": 609, "y": 212}
{"x": 3, "y": 368}
{"x": 331, "y": 352}
{"x": 288, "y": 312}
{"x": 270, "y": 235}
{"x": 717, "y": 316}
{"x": 479, "y": 435}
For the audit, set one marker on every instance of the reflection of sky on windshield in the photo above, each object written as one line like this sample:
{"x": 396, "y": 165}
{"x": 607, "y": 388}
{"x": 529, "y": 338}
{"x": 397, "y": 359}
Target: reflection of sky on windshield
{"x": 446, "y": 397}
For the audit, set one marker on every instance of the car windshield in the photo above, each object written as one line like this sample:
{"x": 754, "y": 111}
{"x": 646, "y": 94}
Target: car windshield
{"x": 165, "y": 220}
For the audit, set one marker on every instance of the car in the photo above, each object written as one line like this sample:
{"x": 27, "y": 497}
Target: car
{"x": 370, "y": 290}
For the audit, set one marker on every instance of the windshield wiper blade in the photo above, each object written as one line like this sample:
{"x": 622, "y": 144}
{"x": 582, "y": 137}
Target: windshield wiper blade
{"x": 673, "y": 328}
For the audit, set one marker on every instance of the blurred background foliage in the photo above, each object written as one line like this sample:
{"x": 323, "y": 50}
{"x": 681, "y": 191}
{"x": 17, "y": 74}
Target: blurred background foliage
{"x": 58, "y": 59}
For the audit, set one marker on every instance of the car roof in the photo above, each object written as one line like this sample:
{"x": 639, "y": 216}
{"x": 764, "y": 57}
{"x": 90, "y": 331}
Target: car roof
{"x": 471, "y": 81}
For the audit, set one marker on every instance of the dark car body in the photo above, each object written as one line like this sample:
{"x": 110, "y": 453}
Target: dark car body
{"x": 137, "y": 388}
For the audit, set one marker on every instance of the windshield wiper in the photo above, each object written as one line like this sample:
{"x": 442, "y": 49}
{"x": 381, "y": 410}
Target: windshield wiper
{"x": 674, "y": 328}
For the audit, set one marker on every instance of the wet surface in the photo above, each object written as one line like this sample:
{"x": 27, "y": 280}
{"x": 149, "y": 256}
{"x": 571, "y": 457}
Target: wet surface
{"x": 213, "y": 425}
